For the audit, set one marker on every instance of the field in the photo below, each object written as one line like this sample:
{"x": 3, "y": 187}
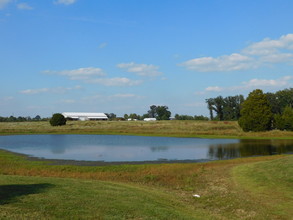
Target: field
{"x": 210, "y": 129}
{"x": 251, "y": 188}
{"x": 245, "y": 188}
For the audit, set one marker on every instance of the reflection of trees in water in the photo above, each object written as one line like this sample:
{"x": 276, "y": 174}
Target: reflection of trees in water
{"x": 247, "y": 148}
{"x": 223, "y": 151}
{"x": 159, "y": 148}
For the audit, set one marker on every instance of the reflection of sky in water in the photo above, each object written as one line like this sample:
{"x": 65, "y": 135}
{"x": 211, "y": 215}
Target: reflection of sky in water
{"x": 128, "y": 148}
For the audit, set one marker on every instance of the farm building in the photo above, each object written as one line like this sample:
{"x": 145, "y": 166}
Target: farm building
{"x": 150, "y": 119}
{"x": 83, "y": 116}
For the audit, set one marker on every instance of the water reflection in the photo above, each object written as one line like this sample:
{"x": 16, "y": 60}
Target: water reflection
{"x": 57, "y": 144}
{"x": 246, "y": 148}
{"x": 110, "y": 148}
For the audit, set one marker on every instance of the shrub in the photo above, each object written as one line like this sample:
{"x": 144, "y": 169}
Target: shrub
{"x": 58, "y": 120}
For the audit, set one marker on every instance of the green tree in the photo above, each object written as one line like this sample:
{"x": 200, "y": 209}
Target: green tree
{"x": 58, "y": 120}
{"x": 225, "y": 108}
{"x": 111, "y": 116}
{"x": 153, "y": 111}
{"x": 159, "y": 112}
{"x": 256, "y": 114}
{"x": 284, "y": 121}
{"x": 280, "y": 100}
{"x": 163, "y": 113}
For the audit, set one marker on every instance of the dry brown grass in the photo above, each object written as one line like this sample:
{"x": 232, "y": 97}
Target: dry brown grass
{"x": 215, "y": 129}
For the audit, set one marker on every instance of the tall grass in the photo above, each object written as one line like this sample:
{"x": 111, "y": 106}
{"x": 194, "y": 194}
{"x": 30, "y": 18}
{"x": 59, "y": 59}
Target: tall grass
{"x": 214, "y": 129}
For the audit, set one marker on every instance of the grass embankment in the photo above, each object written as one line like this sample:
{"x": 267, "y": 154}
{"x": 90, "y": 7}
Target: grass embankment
{"x": 208, "y": 129}
{"x": 250, "y": 188}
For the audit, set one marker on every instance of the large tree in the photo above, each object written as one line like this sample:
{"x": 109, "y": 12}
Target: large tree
{"x": 227, "y": 108}
{"x": 284, "y": 121}
{"x": 280, "y": 100}
{"x": 256, "y": 114}
{"x": 159, "y": 112}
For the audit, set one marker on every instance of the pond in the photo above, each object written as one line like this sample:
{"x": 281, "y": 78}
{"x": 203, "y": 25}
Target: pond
{"x": 118, "y": 148}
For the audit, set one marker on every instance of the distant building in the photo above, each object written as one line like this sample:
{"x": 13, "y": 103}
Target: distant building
{"x": 150, "y": 119}
{"x": 84, "y": 116}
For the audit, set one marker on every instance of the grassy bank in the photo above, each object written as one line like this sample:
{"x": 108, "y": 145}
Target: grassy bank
{"x": 247, "y": 188}
{"x": 208, "y": 129}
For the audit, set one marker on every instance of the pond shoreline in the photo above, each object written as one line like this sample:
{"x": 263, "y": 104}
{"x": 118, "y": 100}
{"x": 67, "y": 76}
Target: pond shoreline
{"x": 64, "y": 162}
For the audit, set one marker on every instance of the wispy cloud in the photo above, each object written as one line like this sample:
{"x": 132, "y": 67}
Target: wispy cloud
{"x": 116, "y": 81}
{"x": 24, "y": 6}
{"x": 255, "y": 55}
{"x": 67, "y": 101}
{"x": 79, "y": 74}
{"x": 125, "y": 96}
{"x": 140, "y": 69}
{"x": 3, "y": 3}
{"x": 49, "y": 90}
{"x": 253, "y": 84}
{"x": 103, "y": 45}
{"x": 95, "y": 75}
{"x": 65, "y": 2}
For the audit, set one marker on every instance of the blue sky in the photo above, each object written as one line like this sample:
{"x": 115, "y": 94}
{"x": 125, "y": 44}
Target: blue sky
{"x": 123, "y": 56}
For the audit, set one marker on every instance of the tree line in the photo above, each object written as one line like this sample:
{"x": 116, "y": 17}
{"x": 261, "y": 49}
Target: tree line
{"x": 225, "y": 109}
{"x": 158, "y": 112}
{"x": 22, "y": 119}
{"x": 229, "y": 108}
{"x": 263, "y": 112}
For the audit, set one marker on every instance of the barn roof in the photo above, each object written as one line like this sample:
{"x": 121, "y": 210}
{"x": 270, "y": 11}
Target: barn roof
{"x": 84, "y": 114}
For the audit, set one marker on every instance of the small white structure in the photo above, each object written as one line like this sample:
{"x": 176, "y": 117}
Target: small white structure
{"x": 150, "y": 119}
{"x": 84, "y": 116}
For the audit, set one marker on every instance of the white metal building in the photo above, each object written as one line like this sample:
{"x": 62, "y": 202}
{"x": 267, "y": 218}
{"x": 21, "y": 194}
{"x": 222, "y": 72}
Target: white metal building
{"x": 84, "y": 116}
{"x": 150, "y": 119}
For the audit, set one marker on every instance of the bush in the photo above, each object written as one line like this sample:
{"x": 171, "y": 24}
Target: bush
{"x": 58, "y": 120}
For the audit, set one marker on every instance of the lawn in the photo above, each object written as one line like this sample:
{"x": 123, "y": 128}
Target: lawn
{"x": 246, "y": 188}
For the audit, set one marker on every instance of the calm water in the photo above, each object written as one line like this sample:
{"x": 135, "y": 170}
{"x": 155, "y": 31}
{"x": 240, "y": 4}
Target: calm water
{"x": 112, "y": 148}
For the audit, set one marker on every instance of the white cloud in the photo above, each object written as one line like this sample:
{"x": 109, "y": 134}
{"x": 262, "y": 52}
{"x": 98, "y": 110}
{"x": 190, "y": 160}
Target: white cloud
{"x": 253, "y": 84}
{"x": 79, "y": 74}
{"x": 49, "y": 90}
{"x": 116, "y": 81}
{"x": 95, "y": 75}
{"x": 140, "y": 69}
{"x": 65, "y": 2}
{"x": 24, "y": 6}
{"x": 231, "y": 62}
{"x": 268, "y": 46}
{"x": 103, "y": 45}
{"x": 125, "y": 96}
{"x": 8, "y": 98}
{"x": 255, "y": 55}
{"x": 213, "y": 89}
{"x": 3, "y": 3}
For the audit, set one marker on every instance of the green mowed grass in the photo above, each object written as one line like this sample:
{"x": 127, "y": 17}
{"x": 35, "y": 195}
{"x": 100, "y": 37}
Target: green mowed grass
{"x": 245, "y": 188}
{"x": 57, "y": 198}
{"x": 269, "y": 183}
